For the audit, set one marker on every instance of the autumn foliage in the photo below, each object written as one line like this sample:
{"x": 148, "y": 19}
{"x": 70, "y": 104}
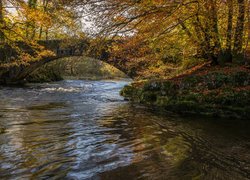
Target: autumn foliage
{"x": 154, "y": 38}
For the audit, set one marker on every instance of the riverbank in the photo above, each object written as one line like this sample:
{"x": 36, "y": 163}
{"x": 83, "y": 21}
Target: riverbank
{"x": 207, "y": 91}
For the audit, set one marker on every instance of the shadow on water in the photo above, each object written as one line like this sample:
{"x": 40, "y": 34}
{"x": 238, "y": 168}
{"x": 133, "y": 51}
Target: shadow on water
{"x": 84, "y": 129}
{"x": 177, "y": 148}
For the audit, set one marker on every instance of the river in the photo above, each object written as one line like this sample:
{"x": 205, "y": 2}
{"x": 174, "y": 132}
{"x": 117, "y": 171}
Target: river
{"x": 84, "y": 130}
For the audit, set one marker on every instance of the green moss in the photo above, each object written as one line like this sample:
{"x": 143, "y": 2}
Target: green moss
{"x": 190, "y": 81}
{"x": 127, "y": 91}
{"x": 194, "y": 97}
{"x": 152, "y": 86}
{"x": 215, "y": 80}
{"x": 163, "y": 100}
{"x": 215, "y": 94}
{"x": 240, "y": 78}
{"x": 148, "y": 97}
{"x": 169, "y": 88}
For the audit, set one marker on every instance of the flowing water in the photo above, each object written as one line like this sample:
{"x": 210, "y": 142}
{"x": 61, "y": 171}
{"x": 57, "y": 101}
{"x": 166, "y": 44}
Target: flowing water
{"x": 85, "y": 130}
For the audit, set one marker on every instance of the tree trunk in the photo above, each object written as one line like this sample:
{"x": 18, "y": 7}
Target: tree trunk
{"x": 215, "y": 29}
{"x": 239, "y": 30}
{"x": 2, "y": 37}
{"x": 247, "y": 51}
{"x": 228, "y": 53}
{"x": 200, "y": 34}
{"x": 47, "y": 34}
{"x": 31, "y": 25}
{"x": 211, "y": 31}
{"x": 1, "y": 23}
{"x": 40, "y": 32}
{"x": 45, "y": 5}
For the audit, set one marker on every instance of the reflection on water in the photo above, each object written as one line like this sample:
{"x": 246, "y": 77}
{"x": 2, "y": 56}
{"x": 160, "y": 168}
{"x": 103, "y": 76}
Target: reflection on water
{"x": 84, "y": 129}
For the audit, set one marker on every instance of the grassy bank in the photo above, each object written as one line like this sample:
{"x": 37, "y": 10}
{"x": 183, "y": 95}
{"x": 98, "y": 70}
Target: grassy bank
{"x": 210, "y": 91}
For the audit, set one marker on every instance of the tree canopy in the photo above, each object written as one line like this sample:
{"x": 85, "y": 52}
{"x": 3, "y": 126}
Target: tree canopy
{"x": 155, "y": 34}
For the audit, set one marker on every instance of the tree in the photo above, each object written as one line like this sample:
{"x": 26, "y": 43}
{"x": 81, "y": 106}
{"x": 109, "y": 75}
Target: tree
{"x": 229, "y": 34}
{"x": 154, "y": 33}
{"x": 31, "y": 29}
{"x": 23, "y": 23}
{"x": 239, "y": 30}
{"x": 45, "y": 6}
{"x": 1, "y": 22}
{"x": 247, "y": 51}
{"x": 207, "y": 24}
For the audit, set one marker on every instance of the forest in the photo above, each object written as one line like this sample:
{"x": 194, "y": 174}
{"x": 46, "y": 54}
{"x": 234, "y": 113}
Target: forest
{"x": 148, "y": 40}
{"x": 156, "y": 37}
{"x": 151, "y": 41}
{"x": 125, "y": 89}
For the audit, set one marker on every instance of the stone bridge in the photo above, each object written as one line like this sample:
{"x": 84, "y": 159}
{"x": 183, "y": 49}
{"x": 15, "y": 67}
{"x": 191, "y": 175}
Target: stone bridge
{"x": 60, "y": 49}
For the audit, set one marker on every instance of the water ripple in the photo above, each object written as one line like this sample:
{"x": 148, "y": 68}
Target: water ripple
{"x": 84, "y": 130}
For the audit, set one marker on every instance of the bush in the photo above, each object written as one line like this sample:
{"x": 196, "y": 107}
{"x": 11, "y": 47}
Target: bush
{"x": 127, "y": 91}
{"x": 241, "y": 78}
{"x": 191, "y": 62}
{"x": 215, "y": 80}
{"x": 152, "y": 86}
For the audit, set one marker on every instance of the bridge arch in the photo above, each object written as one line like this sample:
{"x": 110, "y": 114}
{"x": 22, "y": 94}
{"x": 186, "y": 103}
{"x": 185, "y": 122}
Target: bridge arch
{"x": 18, "y": 74}
{"x": 60, "y": 49}
{"x": 76, "y": 66}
